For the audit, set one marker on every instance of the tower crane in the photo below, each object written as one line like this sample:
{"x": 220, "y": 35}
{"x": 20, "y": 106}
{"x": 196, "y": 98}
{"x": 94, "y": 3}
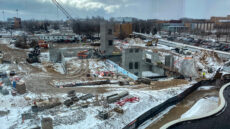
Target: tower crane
{"x": 63, "y": 10}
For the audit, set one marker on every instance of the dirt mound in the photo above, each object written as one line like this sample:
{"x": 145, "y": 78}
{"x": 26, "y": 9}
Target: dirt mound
{"x": 167, "y": 84}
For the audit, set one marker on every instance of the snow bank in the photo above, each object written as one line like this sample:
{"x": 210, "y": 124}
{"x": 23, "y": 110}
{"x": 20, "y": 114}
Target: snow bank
{"x": 202, "y": 106}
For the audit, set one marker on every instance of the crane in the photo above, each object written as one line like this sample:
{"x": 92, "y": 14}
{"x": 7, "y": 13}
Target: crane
{"x": 63, "y": 10}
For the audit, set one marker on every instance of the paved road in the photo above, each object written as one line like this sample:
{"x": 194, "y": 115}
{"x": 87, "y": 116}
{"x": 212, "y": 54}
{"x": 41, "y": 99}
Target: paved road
{"x": 218, "y": 121}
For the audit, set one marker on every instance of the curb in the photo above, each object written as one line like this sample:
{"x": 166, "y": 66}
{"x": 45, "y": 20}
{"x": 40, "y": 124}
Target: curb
{"x": 217, "y": 110}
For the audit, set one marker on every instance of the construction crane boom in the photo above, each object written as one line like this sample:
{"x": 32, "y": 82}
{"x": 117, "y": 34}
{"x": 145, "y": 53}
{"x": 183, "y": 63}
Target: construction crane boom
{"x": 62, "y": 9}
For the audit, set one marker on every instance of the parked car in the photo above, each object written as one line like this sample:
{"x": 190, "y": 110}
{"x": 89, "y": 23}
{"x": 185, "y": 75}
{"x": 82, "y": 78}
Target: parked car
{"x": 171, "y": 38}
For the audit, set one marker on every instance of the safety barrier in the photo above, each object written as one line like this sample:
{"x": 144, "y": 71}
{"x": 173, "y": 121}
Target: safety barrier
{"x": 161, "y": 107}
{"x": 121, "y": 70}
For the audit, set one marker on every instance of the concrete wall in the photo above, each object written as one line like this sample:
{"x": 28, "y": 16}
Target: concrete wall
{"x": 132, "y": 56}
{"x": 153, "y": 58}
{"x": 106, "y": 33}
{"x": 169, "y": 61}
{"x": 121, "y": 70}
{"x": 56, "y": 53}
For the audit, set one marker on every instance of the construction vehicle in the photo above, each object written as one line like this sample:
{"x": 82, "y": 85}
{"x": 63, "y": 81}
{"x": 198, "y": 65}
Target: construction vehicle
{"x": 89, "y": 53}
{"x": 182, "y": 50}
{"x": 83, "y": 54}
{"x": 43, "y": 44}
{"x": 33, "y": 55}
{"x": 150, "y": 43}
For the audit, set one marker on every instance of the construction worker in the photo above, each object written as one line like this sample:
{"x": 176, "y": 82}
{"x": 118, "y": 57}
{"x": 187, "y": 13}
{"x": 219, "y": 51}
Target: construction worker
{"x": 156, "y": 42}
{"x": 203, "y": 74}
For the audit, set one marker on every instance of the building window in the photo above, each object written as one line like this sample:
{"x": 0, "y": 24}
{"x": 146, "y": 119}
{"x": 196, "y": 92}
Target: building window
{"x": 136, "y": 65}
{"x": 130, "y": 65}
{"x": 110, "y": 42}
{"x": 137, "y": 50}
{"x": 110, "y": 31}
{"x": 130, "y": 50}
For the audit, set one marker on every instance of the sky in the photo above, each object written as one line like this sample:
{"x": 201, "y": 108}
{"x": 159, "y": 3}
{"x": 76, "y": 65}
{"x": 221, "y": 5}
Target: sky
{"x": 142, "y": 9}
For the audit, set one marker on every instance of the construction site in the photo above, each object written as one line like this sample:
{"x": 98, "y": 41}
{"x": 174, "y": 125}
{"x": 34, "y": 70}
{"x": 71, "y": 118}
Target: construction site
{"x": 113, "y": 79}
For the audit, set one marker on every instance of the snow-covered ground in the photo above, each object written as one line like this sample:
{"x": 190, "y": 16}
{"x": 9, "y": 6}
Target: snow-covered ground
{"x": 201, "y": 107}
{"x": 83, "y": 118}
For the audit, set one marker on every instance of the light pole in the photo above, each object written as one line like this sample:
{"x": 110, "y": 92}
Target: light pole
{"x": 17, "y": 12}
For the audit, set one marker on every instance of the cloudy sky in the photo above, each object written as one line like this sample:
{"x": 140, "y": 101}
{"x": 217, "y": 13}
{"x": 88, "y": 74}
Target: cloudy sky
{"x": 144, "y": 9}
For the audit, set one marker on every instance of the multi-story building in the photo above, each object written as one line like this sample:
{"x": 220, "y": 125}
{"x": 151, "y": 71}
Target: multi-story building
{"x": 174, "y": 26}
{"x": 219, "y": 19}
{"x": 124, "y": 29}
{"x": 203, "y": 25}
{"x": 14, "y": 22}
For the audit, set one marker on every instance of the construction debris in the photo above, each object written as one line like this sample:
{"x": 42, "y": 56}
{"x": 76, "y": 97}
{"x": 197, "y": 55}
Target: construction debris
{"x": 21, "y": 87}
{"x": 3, "y": 113}
{"x": 103, "y": 115}
{"x": 85, "y": 97}
{"x": 75, "y": 117}
{"x": 47, "y": 123}
{"x": 45, "y": 104}
{"x": 26, "y": 116}
{"x": 71, "y": 93}
{"x": 131, "y": 100}
{"x": 68, "y": 102}
{"x": 119, "y": 110}
{"x": 88, "y": 83}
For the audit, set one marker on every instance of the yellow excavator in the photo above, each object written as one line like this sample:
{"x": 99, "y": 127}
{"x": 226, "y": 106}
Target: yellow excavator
{"x": 150, "y": 43}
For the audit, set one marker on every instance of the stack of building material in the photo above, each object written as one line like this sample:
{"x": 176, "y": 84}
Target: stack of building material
{"x": 21, "y": 87}
{"x": 47, "y": 123}
{"x": 114, "y": 98}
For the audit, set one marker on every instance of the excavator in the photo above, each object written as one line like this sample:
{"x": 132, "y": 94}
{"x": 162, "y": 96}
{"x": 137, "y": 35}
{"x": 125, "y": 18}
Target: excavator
{"x": 150, "y": 43}
{"x": 33, "y": 56}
